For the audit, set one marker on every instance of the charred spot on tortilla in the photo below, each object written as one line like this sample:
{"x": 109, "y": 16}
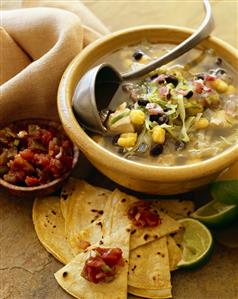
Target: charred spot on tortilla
{"x": 146, "y": 237}
{"x": 65, "y": 274}
{"x": 54, "y": 226}
{"x": 123, "y": 200}
{"x": 89, "y": 203}
{"x": 53, "y": 212}
{"x": 99, "y": 223}
{"x": 133, "y": 268}
{"x": 64, "y": 196}
{"x": 100, "y": 242}
{"x": 128, "y": 230}
{"x": 138, "y": 255}
{"x": 156, "y": 237}
{"x": 133, "y": 231}
{"x": 158, "y": 253}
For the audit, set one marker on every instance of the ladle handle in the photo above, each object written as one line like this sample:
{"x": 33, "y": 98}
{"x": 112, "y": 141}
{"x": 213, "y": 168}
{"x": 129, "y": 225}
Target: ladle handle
{"x": 201, "y": 33}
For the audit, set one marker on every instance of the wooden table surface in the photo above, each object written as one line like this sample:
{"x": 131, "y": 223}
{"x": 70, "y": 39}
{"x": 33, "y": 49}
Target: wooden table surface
{"x": 26, "y": 268}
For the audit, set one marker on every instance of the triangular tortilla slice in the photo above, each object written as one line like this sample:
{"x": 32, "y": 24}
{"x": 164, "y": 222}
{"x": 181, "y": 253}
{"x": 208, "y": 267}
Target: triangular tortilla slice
{"x": 175, "y": 208}
{"x": 49, "y": 226}
{"x": 140, "y": 236}
{"x": 84, "y": 206}
{"x": 175, "y": 253}
{"x": 149, "y": 267}
{"x": 70, "y": 279}
{"x": 154, "y": 294}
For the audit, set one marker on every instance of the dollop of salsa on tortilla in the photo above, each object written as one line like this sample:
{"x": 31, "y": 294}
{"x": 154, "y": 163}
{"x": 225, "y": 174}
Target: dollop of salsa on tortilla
{"x": 102, "y": 265}
{"x": 143, "y": 214}
{"x": 34, "y": 153}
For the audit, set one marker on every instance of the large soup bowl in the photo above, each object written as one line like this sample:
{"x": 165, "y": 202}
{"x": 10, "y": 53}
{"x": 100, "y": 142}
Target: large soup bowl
{"x": 153, "y": 179}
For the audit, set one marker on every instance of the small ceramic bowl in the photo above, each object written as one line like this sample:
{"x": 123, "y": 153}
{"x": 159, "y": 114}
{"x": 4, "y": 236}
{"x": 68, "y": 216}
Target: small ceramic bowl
{"x": 140, "y": 177}
{"x": 45, "y": 189}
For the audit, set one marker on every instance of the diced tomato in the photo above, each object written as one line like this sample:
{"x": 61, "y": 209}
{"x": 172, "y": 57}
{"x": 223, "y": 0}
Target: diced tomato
{"x": 46, "y": 137}
{"x": 27, "y": 154}
{"x": 103, "y": 266}
{"x": 32, "y": 181}
{"x": 142, "y": 215}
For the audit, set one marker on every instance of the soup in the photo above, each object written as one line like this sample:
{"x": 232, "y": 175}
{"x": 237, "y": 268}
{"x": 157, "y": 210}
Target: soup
{"x": 181, "y": 113}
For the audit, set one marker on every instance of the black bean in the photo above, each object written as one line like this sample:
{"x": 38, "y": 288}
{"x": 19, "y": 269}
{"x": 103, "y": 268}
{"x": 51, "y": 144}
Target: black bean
{"x": 189, "y": 94}
{"x": 156, "y": 150}
{"x": 160, "y": 119}
{"x": 220, "y": 71}
{"x": 137, "y": 55}
{"x": 142, "y": 102}
{"x": 218, "y": 61}
{"x": 171, "y": 79}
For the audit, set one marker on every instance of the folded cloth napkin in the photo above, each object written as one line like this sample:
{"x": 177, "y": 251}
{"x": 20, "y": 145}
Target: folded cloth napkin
{"x": 36, "y": 46}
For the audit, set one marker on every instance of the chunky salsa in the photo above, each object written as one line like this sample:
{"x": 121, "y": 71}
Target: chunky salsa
{"x": 102, "y": 265}
{"x": 33, "y": 154}
{"x": 181, "y": 113}
{"x": 143, "y": 214}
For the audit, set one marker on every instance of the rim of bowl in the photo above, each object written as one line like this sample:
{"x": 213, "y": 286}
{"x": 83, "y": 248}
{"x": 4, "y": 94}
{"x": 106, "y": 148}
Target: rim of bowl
{"x": 144, "y": 171}
{"x": 52, "y": 183}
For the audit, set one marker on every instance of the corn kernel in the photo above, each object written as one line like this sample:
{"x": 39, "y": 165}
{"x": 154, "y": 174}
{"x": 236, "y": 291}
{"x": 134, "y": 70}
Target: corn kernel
{"x": 202, "y": 123}
{"x": 127, "y": 139}
{"x": 220, "y": 85}
{"x": 137, "y": 117}
{"x": 158, "y": 135}
{"x": 231, "y": 89}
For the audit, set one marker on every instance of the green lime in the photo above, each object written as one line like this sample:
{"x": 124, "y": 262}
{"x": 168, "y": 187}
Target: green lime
{"x": 216, "y": 213}
{"x": 225, "y": 191}
{"x": 225, "y": 188}
{"x": 197, "y": 244}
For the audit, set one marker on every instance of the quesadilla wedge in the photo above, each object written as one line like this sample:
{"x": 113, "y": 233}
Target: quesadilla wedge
{"x": 175, "y": 208}
{"x": 72, "y": 277}
{"x": 149, "y": 267}
{"x": 84, "y": 206}
{"x": 158, "y": 224}
{"x": 175, "y": 253}
{"x": 49, "y": 226}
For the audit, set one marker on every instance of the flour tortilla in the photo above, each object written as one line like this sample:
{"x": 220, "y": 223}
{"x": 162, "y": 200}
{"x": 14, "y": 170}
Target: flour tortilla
{"x": 149, "y": 267}
{"x": 85, "y": 204}
{"x": 49, "y": 226}
{"x": 139, "y": 236}
{"x": 175, "y": 208}
{"x": 73, "y": 283}
{"x": 175, "y": 253}
{"x": 156, "y": 294}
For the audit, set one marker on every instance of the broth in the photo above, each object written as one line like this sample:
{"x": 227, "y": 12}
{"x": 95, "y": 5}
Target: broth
{"x": 181, "y": 113}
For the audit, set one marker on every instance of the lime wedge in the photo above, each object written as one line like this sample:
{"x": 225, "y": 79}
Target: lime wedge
{"x": 225, "y": 191}
{"x": 225, "y": 188}
{"x": 197, "y": 244}
{"x": 216, "y": 213}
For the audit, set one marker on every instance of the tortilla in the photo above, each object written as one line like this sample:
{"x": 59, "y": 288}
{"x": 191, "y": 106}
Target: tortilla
{"x": 175, "y": 253}
{"x": 175, "y": 208}
{"x": 84, "y": 205}
{"x": 149, "y": 267}
{"x": 139, "y": 236}
{"x": 70, "y": 279}
{"x": 156, "y": 294}
{"x": 49, "y": 226}
{"x": 66, "y": 193}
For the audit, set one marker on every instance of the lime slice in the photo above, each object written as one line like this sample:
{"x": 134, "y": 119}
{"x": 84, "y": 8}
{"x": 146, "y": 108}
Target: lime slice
{"x": 225, "y": 191}
{"x": 197, "y": 244}
{"x": 225, "y": 188}
{"x": 216, "y": 213}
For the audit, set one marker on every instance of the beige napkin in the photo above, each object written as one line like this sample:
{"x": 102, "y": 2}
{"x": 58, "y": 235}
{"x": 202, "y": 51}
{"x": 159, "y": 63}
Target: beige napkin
{"x": 36, "y": 45}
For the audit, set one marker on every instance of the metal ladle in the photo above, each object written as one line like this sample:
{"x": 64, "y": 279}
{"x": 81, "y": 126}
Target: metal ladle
{"x": 97, "y": 87}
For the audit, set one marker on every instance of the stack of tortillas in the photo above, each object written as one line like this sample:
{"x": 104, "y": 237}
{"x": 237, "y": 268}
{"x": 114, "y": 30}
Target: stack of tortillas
{"x": 85, "y": 215}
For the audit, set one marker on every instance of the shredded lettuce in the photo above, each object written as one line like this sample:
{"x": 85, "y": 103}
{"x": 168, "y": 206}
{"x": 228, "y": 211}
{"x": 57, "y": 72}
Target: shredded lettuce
{"x": 183, "y": 134}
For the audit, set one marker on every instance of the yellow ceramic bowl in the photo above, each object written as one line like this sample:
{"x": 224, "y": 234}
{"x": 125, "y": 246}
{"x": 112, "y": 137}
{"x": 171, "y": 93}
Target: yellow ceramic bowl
{"x": 133, "y": 175}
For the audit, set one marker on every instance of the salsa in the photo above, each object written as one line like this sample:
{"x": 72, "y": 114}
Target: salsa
{"x": 33, "y": 154}
{"x": 143, "y": 214}
{"x": 102, "y": 265}
{"x": 181, "y": 113}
